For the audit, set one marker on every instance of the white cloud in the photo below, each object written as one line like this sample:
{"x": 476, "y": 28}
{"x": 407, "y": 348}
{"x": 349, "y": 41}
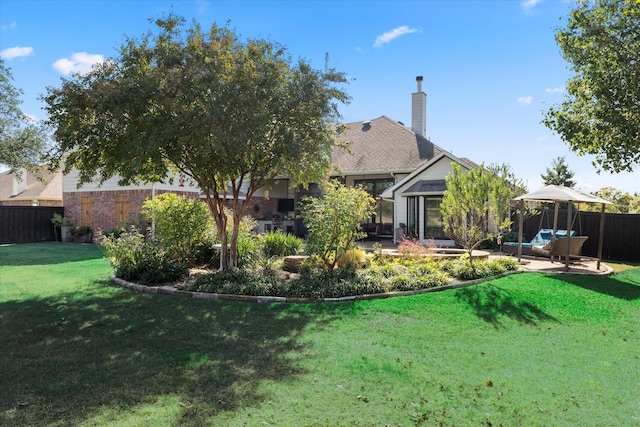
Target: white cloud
{"x": 529, "y": 4}
{"x": 11, "y": 26}
{"x": 15, "y": 52}
{"x": 525, "y": 100}
{"x": 555, "y": 89}
{"x": 31, "y": 118}
{"x": 80, "y": 62}
{"x": 395, "y": 33}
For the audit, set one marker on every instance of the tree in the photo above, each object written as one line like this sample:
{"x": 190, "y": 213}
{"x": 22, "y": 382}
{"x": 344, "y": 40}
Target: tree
{"x": 23, "y": 141}
{"x": 601, "y": 112}
{"x": 558, "y": 174}
{"x": 622, "y": 202}
{"x": 334, "y": 220}
{"x": 475, "y": 205}
{"x": 229, "y": 115}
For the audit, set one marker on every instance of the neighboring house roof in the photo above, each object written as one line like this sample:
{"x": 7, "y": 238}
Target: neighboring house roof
{"x": 50, "y": 189}
{"x": 381, "y": 145}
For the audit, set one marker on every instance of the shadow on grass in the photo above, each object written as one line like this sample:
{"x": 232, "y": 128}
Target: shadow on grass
{"x": 490, "y": 303}
{"x": 624, "y": 285}
{"x": 47, "y": 253}
{"x": 65, "y": 359}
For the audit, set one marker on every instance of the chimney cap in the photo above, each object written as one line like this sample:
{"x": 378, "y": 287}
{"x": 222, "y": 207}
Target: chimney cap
{"x": 419, "y": 78}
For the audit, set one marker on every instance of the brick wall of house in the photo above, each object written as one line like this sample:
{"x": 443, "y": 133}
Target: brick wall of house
{"x": 261, "y": 208}
{"x": 103, "y": 206}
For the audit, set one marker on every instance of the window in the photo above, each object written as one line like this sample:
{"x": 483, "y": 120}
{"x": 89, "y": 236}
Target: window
{"x": 433, "y": 227}
{"x": 412, "y": 217}
{"x": 384, "y": 208}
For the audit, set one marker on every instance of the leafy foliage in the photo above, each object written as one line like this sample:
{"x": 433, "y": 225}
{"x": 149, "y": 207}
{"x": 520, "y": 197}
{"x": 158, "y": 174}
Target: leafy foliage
{"x": 224, "y": 113}
{"x": 280, "y": 244}
{"x": 413, "y": 248}
{"x": 475, "y": 205}
{"x": 333, "y": 221}
{"x": 353, "y": 258}
{"x": 135, "y": 259}
{"x": 182, "y": 225}
{"x": 463, "y": 269}
{"x": 23, "y": 141}
{"x": 624, "y": 203}
{"x": 601, "y": 112}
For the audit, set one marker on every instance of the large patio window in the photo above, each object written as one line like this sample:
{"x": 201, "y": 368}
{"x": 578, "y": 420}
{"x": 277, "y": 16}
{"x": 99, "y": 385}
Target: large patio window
{"x": 433, "y": 226}
{"x": 384, "y": 208}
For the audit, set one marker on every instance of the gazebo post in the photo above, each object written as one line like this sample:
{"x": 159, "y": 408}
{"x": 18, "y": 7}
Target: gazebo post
{"x": 520, "y": 225}
{"x": 556, "y": 207}
{"x": 601, "y": 234}
{"x": 567, "y": 251}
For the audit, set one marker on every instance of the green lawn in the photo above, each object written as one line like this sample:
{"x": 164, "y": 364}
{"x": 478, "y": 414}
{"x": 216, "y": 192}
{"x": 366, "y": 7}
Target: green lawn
{"x": 526, "y": 349}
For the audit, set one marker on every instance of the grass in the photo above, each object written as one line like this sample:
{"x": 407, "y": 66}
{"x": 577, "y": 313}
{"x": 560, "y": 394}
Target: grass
{"x": 526, "y": 349}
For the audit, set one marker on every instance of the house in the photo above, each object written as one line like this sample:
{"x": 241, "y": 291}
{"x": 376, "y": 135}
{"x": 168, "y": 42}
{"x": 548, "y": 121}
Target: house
{"x": 397, "y": 165}
{"x": 108, "y": 206}
{"x": 402, "y": 170}
{"x": 29, "y": 190}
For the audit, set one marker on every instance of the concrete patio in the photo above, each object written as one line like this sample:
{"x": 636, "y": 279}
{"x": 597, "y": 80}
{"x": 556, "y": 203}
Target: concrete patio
{"x": 537, "y": 264}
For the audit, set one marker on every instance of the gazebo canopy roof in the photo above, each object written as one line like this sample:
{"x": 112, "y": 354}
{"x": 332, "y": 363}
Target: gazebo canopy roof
{"x": 557, "y": 193}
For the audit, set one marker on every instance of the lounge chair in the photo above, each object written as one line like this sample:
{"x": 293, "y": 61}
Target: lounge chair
{"x": 558, "y": 247}
{"x": 540, "y": 239}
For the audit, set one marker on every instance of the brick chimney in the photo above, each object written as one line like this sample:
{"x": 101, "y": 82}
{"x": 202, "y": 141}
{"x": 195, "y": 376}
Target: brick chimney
{"x": 419, "y": 110}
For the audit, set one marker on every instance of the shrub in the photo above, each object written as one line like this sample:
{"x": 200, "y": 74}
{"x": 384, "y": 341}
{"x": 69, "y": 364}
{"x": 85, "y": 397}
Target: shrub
{"x": 181, "y": 225}
{"x": 410, "y": 248}
{"x": 463, "y": 269}
{"x": 135, "y": 259}
{"x": 416, "y": 275}
{"x": 353, "y": 259}
{"x": 280, "y": 244}
{"x": 237, "y": 281}
{"x": 332, "y": 284}
{"x": 333, "y": 221}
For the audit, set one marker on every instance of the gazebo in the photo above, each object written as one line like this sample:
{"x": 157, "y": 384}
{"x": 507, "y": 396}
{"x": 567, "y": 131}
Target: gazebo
{"x": 558, "y": 194}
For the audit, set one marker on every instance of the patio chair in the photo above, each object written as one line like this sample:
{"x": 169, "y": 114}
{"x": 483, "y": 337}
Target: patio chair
{"x": 558, "y": 247}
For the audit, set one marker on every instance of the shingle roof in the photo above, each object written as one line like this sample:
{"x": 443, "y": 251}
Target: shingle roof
{"x": 51, "y": 189}
{"x": 427, "y": 186}
{"x": 381, "y": 145}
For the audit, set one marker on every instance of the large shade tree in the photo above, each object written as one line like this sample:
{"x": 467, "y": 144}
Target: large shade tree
{"x": 227, "y": 114}
{"x": 601, "y": 112}
{"x": 23, "y": 141}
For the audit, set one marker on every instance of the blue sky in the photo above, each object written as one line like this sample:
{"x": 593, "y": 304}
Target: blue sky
{"x": 491, "y": 68}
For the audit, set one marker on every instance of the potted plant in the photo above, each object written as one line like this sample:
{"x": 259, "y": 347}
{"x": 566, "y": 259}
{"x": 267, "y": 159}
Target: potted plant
{"x": 82, "y": 234}
{"x": 65, "y": 224}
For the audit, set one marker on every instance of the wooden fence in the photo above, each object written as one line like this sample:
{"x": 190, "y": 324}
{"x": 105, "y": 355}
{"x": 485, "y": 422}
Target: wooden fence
{"x": 621, "y": 240}
{"x": 27, "y": 224}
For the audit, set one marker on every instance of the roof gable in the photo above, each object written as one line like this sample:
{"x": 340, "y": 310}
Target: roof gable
{"x": 35, "y": 189}
{"x": 411, "y": 178}
{"x": 381, "y": 145}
